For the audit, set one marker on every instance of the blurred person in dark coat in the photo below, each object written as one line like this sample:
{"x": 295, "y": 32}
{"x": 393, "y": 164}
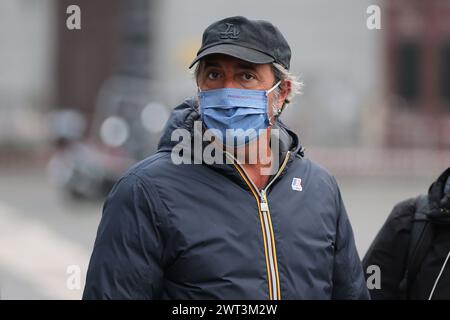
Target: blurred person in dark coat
{"x": 412, "y": 249}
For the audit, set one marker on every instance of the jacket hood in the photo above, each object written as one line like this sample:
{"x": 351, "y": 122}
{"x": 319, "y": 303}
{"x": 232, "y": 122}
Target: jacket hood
{"x": 435, "y": 206}
{"x": 184, "y": 116}
{"x": 439, "y": 198}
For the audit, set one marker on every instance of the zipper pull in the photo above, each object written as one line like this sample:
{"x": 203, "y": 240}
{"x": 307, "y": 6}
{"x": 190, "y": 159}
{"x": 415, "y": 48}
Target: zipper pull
{"x": 264, "y": 204}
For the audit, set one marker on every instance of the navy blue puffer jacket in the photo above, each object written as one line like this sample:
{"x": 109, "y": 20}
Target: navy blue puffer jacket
{"x": 203, "y": 231}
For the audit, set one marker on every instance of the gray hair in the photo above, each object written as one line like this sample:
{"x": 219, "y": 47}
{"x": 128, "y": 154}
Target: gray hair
{"x": 282, "y": 74}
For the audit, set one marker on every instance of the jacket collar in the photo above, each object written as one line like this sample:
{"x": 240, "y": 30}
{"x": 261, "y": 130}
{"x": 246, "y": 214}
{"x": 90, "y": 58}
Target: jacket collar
{"x": 185, "y": 115}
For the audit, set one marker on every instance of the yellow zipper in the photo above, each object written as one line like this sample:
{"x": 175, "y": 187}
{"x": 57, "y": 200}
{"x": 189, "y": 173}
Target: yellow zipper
{"x": 266, "y": 227}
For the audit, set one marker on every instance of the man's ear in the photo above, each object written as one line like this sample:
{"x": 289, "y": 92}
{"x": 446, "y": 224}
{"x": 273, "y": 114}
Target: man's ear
{"x": 286, "y": 88}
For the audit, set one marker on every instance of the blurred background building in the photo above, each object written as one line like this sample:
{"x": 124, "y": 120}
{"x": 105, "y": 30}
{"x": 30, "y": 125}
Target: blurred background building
{"x": 77, "y": 107}
{"x": 417, "y": 73}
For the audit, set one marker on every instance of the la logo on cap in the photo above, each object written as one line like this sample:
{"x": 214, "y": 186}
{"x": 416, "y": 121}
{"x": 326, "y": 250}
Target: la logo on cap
{"x": 231, "y": 32}
{"x": 297, "y": 184}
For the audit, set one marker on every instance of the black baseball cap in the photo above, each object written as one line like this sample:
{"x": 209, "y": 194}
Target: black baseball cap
{"x": 255, "y": 41}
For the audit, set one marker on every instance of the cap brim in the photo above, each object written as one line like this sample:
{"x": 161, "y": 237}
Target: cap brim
{"x": 243, "y": 53}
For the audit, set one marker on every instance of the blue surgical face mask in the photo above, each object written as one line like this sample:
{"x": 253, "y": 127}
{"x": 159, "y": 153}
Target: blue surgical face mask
{"x": 235, "y": 109}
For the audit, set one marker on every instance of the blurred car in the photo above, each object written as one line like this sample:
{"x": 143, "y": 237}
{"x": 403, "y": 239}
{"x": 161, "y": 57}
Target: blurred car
{"x": 125, "y": 128}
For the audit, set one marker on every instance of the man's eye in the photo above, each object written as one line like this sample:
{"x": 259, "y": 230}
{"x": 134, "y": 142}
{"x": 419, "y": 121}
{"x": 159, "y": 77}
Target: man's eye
{"x": 213, "y": 75}
{"x": 248, "y": 76}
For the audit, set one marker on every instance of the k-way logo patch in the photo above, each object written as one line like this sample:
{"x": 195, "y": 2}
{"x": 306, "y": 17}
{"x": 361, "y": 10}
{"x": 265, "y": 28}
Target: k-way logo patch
{"x": 297, "y": 184}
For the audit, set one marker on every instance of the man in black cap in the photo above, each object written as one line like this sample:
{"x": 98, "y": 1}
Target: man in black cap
{"x": 274, "y": 227}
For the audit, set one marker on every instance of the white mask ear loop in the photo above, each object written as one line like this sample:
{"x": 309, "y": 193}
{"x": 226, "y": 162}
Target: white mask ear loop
{"x": 278, "y": 112}
{"x": 438, "y": 277}
{"x": 273, "y": 88}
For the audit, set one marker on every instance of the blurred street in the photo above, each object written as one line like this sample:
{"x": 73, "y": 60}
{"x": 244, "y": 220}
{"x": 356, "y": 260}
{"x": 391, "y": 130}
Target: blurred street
{"x": 42, "y": 233}
{"x": 46, "y": 232}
